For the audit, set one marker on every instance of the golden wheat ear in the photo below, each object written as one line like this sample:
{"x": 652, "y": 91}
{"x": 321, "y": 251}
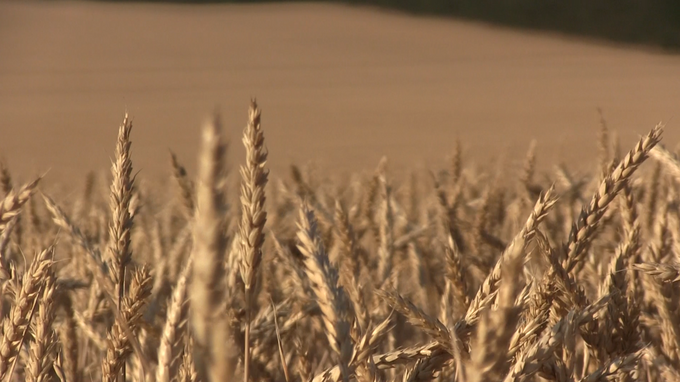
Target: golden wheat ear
{"x": 210, "y": 330}
{"x": 254, "y": 177}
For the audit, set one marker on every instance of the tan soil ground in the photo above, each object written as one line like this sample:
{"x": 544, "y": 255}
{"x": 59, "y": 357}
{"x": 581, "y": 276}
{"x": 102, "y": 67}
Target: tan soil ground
{"x": 339, "y": 86}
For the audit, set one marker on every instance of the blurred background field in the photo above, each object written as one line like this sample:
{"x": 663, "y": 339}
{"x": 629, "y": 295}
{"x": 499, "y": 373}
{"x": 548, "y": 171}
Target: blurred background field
{"x": 340, "y": 85}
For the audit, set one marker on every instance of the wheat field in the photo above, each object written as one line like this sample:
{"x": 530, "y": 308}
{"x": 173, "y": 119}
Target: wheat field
{"x": 456, "y": 274}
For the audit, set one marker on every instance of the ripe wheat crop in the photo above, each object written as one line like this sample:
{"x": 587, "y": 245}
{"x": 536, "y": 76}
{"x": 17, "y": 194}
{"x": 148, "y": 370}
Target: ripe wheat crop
{"x": 451, "y": 275}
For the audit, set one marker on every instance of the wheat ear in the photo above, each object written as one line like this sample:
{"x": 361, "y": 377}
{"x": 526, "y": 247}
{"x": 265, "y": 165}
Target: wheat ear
{"x": 120, "y": 252}
{"x": 42, "y": 348}
{"x": 489, "y": 288}
{"x": 121, "y": 194}
{"x": 118, "y": 341}
{"x": 323, "y": 278}
{"x": 210, "y": 330}
{"x": 173, "y": 323}
{"x": 16, "y": 324}
{"x": 11, "y": 205}
{"x": 251, "y": 238}
{"x": 583, "y": 230}
{"x": 495, "y": 330}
